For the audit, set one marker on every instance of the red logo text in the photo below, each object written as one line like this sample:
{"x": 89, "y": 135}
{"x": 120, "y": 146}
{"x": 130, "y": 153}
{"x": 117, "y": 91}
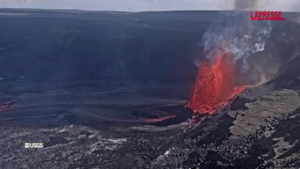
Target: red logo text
{"x": 266, "y": 15}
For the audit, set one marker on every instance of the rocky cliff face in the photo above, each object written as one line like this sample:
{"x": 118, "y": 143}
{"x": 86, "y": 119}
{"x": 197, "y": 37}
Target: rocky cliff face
{"x": 67, "y": 46}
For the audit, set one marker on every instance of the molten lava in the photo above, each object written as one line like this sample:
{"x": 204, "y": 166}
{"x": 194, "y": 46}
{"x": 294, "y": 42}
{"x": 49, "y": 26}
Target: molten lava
{"x": 215, "y": 84}
{"x": 6, "y": 106}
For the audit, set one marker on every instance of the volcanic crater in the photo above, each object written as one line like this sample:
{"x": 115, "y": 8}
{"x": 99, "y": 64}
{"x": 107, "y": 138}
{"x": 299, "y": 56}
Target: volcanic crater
{"x": 115, "y": 90}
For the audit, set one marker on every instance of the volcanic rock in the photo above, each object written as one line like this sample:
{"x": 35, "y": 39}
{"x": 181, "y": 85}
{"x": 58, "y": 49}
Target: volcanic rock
{"x": 95, "y": 87}
{"x": 183, "y": 115}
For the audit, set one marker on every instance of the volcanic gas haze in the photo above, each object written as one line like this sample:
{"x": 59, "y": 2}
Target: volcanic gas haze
{"x": 240, "y": 53}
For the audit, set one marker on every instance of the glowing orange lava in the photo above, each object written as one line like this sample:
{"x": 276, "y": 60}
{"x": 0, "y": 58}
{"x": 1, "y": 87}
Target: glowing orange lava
{"x": 215, "y": 84}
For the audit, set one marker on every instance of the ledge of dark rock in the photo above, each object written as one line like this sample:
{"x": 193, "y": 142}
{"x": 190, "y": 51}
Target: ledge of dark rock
{"x": 184, "y": 114}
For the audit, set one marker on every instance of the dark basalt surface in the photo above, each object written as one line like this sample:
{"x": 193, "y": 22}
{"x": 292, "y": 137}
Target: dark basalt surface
{"x": 95, "y": 88}
{"x": 64, "y": 46}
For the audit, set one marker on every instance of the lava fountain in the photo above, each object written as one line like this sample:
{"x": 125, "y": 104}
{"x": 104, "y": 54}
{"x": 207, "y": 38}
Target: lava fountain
{"x": 240, "y": 53}
{"x": 215, "y": 84}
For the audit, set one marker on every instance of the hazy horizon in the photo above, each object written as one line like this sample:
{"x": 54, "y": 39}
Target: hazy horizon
{"x": 153, "y": 5}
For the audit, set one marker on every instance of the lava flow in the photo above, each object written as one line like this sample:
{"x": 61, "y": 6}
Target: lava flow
{"x": 6, "y": 106}
{"x": 215, "y": 84}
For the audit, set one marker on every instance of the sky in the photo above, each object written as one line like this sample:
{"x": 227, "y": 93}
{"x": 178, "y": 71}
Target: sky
{"x": 153, "y": 5}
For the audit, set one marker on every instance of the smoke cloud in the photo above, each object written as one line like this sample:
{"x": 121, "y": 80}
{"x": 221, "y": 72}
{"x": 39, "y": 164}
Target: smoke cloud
{"x": 235, "y": 33}
{"x": 259, "y": 48}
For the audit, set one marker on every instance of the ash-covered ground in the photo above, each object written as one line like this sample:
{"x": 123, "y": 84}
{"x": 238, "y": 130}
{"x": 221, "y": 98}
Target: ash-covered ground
{"x": 96, "y": 87}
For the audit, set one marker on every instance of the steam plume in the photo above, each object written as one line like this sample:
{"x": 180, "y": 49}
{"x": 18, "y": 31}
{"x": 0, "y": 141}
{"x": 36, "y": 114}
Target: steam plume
{"x": 241, "y": 53}
{"x": 235, "y": 33}
{"x": 259, "y": 48}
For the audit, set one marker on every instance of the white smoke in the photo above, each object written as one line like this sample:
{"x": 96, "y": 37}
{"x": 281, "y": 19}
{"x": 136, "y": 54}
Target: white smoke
{"x": 234, "y": 32}
{"x": 197, "y": 62}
